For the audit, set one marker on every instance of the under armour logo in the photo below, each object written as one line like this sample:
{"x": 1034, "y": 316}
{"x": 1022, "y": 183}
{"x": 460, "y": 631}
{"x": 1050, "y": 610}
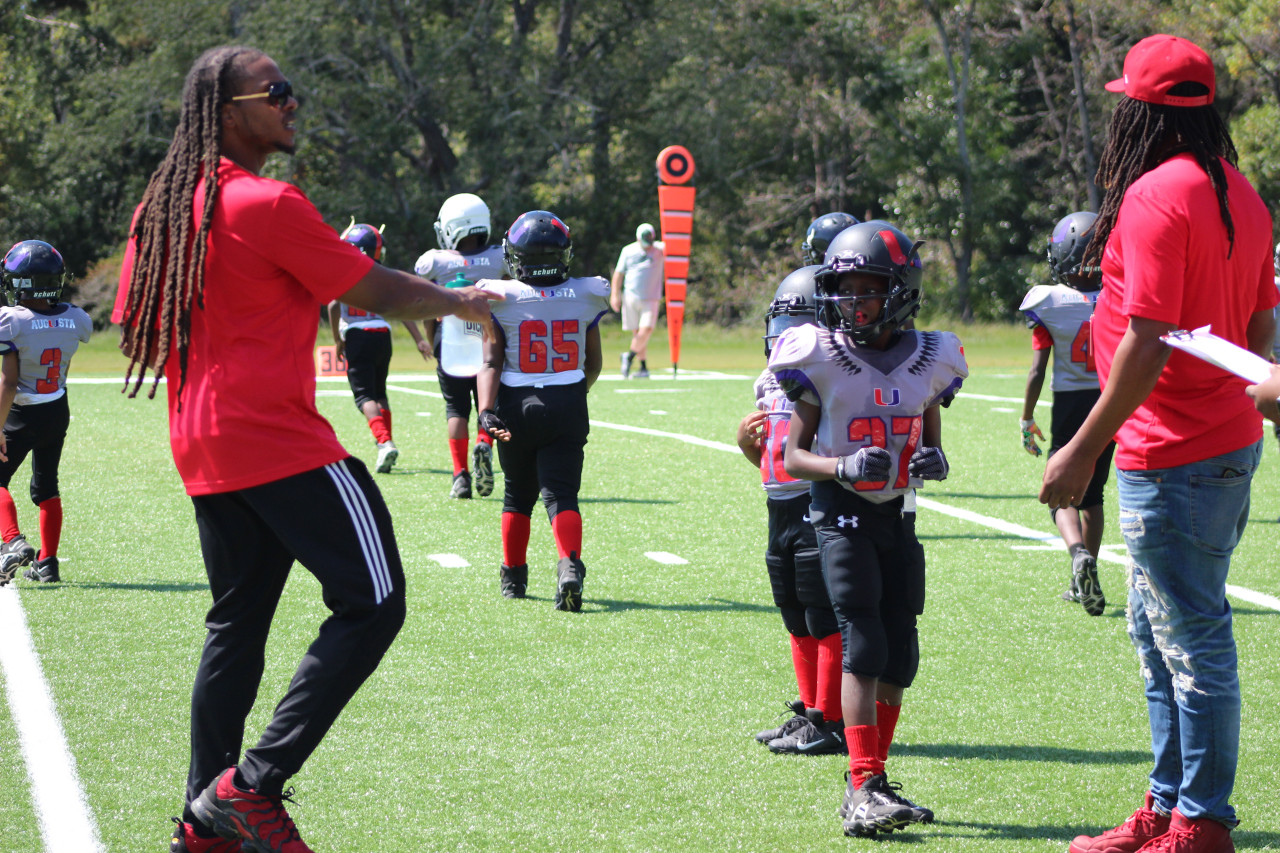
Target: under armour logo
{"x": 850, "y": 521}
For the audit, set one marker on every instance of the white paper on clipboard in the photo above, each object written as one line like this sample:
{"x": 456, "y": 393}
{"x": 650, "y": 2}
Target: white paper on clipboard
{"x": 1204, "y": 344}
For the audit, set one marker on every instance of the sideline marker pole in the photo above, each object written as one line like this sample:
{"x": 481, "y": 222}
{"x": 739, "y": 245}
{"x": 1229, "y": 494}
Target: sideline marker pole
{"x": 675, "y": 208}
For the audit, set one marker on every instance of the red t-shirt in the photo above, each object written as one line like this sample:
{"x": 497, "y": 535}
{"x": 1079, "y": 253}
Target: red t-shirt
{"x": 248, "y": 412}
{"x": 1166, "y": 260}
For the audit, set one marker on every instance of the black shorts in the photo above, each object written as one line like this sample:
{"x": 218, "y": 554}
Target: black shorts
{"x": 459, "y": 393}
{"x": 549, "y": 428}
{"x": 795, "y": 569}
{"x": 1070, "y": 408}
{"x": 39, "y": 430}
{"x": 874, "y": 567}
{"x": 368, "y": 363}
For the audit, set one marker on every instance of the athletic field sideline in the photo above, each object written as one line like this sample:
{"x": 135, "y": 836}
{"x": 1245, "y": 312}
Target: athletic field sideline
{"x": 504, "y": 725}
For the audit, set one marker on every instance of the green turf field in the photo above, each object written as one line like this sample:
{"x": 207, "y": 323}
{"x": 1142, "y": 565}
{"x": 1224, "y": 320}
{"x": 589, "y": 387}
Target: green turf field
{"x": 504, "y": 725}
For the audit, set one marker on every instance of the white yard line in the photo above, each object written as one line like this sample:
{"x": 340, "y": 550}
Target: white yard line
{"x": 66, "y": 824}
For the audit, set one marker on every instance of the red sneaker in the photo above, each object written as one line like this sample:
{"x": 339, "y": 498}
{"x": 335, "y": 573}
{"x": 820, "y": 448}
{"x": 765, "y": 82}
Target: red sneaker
{"x": 1143, "y": 826}
{"x": 186, "y": 841}
{"x": 1202, "y": 835}
{"x": 259, "y": 821}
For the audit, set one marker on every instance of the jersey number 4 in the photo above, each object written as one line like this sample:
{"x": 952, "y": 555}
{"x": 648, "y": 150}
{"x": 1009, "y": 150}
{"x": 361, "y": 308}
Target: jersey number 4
{"x": 1081, "y": 351}
{"x": 872, "y": 432}
{"x": 540, "y": 347}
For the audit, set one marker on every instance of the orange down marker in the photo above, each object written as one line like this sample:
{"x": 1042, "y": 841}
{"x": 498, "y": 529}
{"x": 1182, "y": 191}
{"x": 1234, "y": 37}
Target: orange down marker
{"x": 675, "y": 207}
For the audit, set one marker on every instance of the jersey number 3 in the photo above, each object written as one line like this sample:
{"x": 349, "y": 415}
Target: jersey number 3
{"x": 870, "y": 432}
{"x": 538, "y": 347}
{"x": 52, "y": 358}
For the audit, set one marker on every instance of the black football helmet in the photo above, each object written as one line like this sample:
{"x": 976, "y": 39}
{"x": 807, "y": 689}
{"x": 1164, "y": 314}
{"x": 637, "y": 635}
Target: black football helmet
{"x": 366, "y": 238}
{"x": 33, "y": 270}
{"x": 793, "y": 305}
{"x": 877, "y": 248}
{"x": 820, "y": 234}
{"x": 537, "y": 248}
{"x": 1066, "y": 252}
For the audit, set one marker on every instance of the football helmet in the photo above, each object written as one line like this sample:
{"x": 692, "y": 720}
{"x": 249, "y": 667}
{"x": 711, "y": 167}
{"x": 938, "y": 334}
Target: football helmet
{"x": 1066, "y": 252}
{"x": 33, "y": 270}
{"x": 793, "y": 305}
{"x": 461, "y": 216}
{"x": 820, "y": 234}
{"x": 366, "y": 238}
{"x": 537, "y": 248}
{"x": 877, "y": 248}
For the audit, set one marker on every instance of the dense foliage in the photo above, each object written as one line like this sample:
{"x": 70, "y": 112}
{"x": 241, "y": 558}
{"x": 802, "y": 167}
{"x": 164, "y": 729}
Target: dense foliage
{"x": 974, "y": 126}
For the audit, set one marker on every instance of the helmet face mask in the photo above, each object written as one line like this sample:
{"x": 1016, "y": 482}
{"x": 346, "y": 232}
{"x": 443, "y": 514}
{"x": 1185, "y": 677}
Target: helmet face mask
{"x": 820, "y": 234}
{"x": 366, "y": 238}
{"x": 461, "y": 216}
{"x": 1066, "y": 251}
{"x": 33, "y": 270}
{"x": 878, "y": 249}
{"x": 537, "y": 249}
{"x": 793, "y": 305}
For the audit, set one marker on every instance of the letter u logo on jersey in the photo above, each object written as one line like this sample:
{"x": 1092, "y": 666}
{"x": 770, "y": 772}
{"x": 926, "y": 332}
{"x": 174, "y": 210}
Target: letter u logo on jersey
{"x": 893, "y": 397}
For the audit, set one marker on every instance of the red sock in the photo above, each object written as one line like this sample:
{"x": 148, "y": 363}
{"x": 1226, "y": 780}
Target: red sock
{"x": 830, "y": 672}
{"x": 50, "y": 527}
{"x": 381, "y": 428}
{"x": 458, "y": 448}
{"x": 804, "y": 657}
{"x": 8, "y": 516}
{"x": 864, "y": 753}
{"x": 385, "y": 414}
{"x": 886, "y": 722}
{"x": 481, "y": 435}
{"x": 515, "y": 539}
{"x": 567, "y": 529}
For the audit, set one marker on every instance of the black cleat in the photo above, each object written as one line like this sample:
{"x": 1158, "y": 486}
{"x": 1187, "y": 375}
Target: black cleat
{"x": 1084, "y": 573}
{"x": 872, "y": 808}
{"x": 513, "y": 580}
{"x": 919, "y": 814}
{"x": 569, "y": 574}
{"x": 482, "y": 463}
{"x": 44, "y": 571}
{"x": 812, "y": 737}
{"x": 14, "y": 554}
{"x": 461, "y": 487}
{"x": 796, "y": 720}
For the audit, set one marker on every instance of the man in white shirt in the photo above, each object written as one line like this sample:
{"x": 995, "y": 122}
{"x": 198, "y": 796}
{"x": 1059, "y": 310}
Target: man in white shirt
{"x": 636, "y": 292}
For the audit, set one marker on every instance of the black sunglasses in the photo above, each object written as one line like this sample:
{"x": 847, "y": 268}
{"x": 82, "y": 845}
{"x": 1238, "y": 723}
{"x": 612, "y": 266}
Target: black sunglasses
{"x": 277, "y": 93}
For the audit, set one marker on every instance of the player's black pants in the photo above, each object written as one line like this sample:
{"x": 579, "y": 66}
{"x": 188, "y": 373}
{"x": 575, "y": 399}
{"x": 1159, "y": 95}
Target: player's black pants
{"x": 1070, "y": 408}
{"x": 874, "y": 567}
{"x": 795, "y": 570}
{"x": 334, "y": 522}
{"x": 548, "y": 432}
{"x": 40, "y": 430}
{"x": 368, "y": 355}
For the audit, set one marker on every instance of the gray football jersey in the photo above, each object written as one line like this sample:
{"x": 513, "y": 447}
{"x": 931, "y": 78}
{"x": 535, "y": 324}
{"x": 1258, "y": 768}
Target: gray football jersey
{"x": 771, "y": 400}
{"x": 870, "y": 397}
{"x": 443, "y": 265}
{"x": 546, "y": 328}
{"x": 44, "y": 342}
{"x": 1065, "y": 313}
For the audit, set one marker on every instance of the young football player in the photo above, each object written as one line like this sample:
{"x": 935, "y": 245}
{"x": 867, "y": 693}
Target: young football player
{"x": 38, "y": 336}
{"x": 1058, "y": 315}
{"x": 364, "y": 339}
{"x": 866, "y": 430}
{"x": 533, "y": 394}
{"x": 795, "y": 572}
{"x": 462, "y": 230}
{"x": 821, "y": 232}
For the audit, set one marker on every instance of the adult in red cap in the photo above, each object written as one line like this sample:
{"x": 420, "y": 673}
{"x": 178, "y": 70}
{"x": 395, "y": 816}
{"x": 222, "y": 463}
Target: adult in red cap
{"x": 1183, "y": 241}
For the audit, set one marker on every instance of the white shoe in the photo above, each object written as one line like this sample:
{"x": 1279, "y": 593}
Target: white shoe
{"x": 387, "y": 456}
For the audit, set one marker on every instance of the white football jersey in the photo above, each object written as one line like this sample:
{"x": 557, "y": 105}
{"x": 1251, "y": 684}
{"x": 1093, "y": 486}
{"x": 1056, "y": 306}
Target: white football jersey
{"x": 44, "y": 342}
{"x": 443, "y": 265}
{"x": 771, "y": 399}
{"x": 1065, "y": 313}
{"x": 546, "y": 328}
{"x": 350, "y": 317}
{"x": 870, "y": 397}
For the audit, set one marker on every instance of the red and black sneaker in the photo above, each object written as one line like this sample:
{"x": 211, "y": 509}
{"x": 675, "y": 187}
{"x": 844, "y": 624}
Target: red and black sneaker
{"x": 185, "y": 840}
{"x": 260, "y": 822}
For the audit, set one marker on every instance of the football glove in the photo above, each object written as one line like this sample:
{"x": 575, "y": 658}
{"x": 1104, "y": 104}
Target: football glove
{"x": 928, "y": 463}
{"x": 870, "y": 464}
{"x": 1030, "y": 432}
{"x": 489, "y": 421}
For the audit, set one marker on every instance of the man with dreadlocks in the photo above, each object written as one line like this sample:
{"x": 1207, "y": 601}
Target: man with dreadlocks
{"x": 1183, "y": 240}
{"x": 222, "y": 279}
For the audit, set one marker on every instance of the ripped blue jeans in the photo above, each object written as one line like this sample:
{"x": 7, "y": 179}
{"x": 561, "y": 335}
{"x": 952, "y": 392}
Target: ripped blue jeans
{"x": 1181, "y": 525}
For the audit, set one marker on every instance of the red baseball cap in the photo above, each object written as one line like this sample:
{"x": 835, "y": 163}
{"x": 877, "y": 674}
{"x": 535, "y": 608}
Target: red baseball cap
{"x": 1156, "y": 64}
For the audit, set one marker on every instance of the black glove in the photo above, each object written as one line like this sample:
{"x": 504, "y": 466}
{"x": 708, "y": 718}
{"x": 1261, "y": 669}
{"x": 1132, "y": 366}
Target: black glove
{"x": 870, "y": 464}
{"x": 928, "y": 463}
{"x": 489, "y": 421}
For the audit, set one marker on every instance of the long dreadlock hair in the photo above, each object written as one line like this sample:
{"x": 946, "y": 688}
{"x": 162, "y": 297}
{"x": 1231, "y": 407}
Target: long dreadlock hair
{"x": 1141, "y": 136}
{"x": 167, "y": 278}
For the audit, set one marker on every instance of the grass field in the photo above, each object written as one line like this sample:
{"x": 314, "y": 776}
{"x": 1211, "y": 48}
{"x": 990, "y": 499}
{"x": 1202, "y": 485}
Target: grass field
{"x": 504, "y": 725}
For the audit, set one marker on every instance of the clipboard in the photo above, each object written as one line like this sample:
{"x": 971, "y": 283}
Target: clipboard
{"x": 1204, "y": 344}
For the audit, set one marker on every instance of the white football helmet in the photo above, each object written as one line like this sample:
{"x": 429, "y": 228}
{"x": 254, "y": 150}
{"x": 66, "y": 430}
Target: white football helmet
{"x": 461, "y": 216}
